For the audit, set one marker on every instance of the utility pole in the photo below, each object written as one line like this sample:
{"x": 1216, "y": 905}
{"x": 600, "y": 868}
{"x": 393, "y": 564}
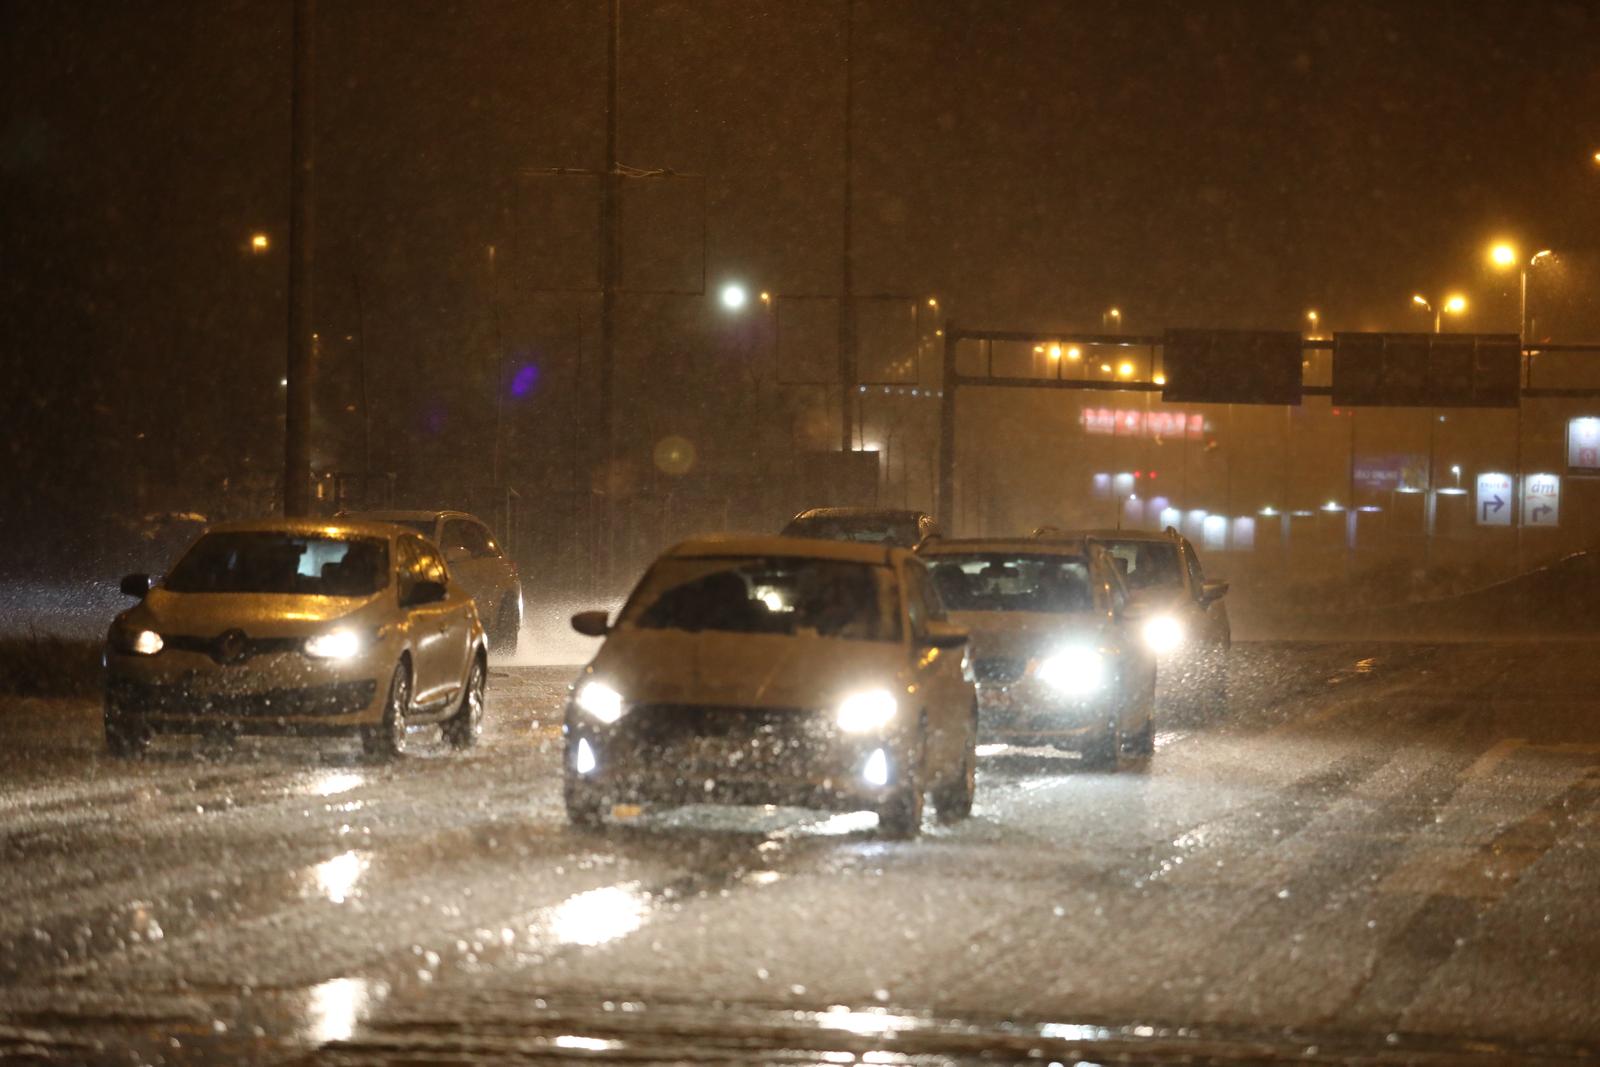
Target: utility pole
{"x": 297, "y": 413}
{"x": 610, "y": 272}
{"x": 847, "y": 315}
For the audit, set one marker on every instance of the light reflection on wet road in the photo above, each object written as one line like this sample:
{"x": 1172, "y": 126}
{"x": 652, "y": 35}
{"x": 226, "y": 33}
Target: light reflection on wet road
{"x": 1377, "y": 848}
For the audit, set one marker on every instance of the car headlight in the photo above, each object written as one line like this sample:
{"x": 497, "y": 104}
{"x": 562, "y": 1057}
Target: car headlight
{"x": 140, "y": 642}
{"x": 1075, "y": 671}
{"x": 335, "y": 644}
{"x": 1163, "y": 633}
{"x": 864, "y": 712}
{"x": 600, "y": 701}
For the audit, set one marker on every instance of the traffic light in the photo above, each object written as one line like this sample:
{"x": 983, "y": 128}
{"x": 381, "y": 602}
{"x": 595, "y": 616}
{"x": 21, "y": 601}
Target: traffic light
{"x": 1426, "y": 370}
{"x": 1232, "y": 366}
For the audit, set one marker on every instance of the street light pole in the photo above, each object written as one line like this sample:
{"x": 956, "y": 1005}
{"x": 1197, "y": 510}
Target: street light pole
{"x": 297, "y": 369}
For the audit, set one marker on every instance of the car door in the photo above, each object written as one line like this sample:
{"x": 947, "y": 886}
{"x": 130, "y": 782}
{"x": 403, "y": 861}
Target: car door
{"x": 937, "y": 671}
{"x": 451, "y": 621}
{"x": 466, "y": 566}
{"x": 1213, "y": 615}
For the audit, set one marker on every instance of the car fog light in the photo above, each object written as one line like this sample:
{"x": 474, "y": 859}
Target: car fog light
{"x": 335, "y": 644}
{"x": 583, "y": 762}
{"x": 1163, "y": 633}
{"x": 861, "y": 713}
{"x": 1075, "y": 671}
{"x": 147, "y": 643}
{"x": 600, "y": 701}
{"x": 876, "y": 772}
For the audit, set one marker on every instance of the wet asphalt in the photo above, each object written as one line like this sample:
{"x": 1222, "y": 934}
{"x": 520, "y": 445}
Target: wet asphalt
{"x": 1376, "y": 853}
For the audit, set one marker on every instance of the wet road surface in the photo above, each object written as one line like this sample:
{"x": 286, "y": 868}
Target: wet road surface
{"x": 1379, "y": 852}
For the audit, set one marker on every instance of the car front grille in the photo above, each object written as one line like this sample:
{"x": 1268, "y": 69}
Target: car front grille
{"x": 747, "y": 738}
{"x": 998, "y": 670}
{"x": 337, "y": 698}
{"x": 241, "y": 649}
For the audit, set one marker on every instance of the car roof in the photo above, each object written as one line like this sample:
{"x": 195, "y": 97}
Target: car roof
{"x": 860, "y": 513}
{"x": 346, "y": 525}
{"x": 803, "y": 547}
{"x": 960, "y": 546}
{"x": 409, "y": 516}
{"x": 1122, "y": 535}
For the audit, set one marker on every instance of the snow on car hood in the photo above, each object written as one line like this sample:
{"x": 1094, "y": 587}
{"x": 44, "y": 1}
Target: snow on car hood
{"x": 1024, "y": 633}
{"x": 747, "y": 670}
{"x": 257, "y": 614}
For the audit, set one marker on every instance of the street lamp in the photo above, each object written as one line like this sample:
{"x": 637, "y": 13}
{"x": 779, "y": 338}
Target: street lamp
{"x": 1113, "y": 317}
{"x": 734, "y": 296}
{"x": 259, "y": 243}
{"x": 1455, "y": 304}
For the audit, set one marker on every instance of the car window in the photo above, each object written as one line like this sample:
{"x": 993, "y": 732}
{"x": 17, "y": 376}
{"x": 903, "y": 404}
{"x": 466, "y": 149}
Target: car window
{"x": 1197, "y": 578}
{"x": 1146, "y": 564}
{"x": 270, "y": 562}
{"x": 1012, "y": 581}
{"x": 430, "y": 564}
{"x": 456, "y": 537}
{"x": 769, "y": 595}
{"x": 916, "y": 598}
{"x": 475, "y": 537}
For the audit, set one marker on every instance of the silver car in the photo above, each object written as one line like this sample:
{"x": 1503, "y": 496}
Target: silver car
{"x": 297, "y": 627}
{"x": 476, "y": 562}
{"x": 1053, "y": 646}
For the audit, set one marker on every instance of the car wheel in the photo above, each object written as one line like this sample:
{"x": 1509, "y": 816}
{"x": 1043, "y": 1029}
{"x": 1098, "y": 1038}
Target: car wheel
{"x": 900, "y": 813}
{"x": 953, "y": 801}
{"x": 387, "y": 740}
{"x": 127, "y": 737}
{"x": 507, "y": 628}
{"x": 463, "y": 729}
{"x": 1105, "y": 752}
{"x": 585, "y": 807}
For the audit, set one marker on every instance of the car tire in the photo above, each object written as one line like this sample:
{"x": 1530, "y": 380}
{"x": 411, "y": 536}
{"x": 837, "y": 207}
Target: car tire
{"x": 1105, "y": 752}
{"x": 127, "y": 736}
{"x": 387, "y": 740}
{"x": 507, "y": 629}
{"x": 900, "y": 813}
{"x": 586, "y": 808}
{"x": 463, "y": 729}
{"x": 952, "y": 801}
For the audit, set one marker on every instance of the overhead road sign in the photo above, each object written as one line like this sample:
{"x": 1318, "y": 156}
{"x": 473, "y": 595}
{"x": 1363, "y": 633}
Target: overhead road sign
{"x": 1232, "y": 366}
{"x": 1426, "y": 370}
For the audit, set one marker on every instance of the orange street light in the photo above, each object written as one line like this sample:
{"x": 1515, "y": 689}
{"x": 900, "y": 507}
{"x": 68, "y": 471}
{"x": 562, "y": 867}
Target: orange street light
{"x": 259, "y": 242}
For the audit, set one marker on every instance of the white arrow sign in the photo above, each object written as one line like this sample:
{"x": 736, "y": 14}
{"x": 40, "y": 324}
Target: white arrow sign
{"x": 1541, "y": 500}
{"x": 1494, "y": 500}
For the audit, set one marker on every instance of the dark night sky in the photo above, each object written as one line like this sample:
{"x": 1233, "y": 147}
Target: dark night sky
{"x": 1031, "y": 162}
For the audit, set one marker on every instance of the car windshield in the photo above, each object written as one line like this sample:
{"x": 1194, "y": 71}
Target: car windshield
{"x": 282, "y": 563}
{"x": 871, "y": 529}
{"x": 1007, "y": 581}
{"x": 1147, "y": 564}
{"x": 773, "y": 595}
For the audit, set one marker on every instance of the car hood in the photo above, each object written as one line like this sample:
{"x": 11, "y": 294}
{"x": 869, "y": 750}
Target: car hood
{"x": 1160, "y": 598}
{"x": 746, "y": 670}
{"x": 257, "y": 614}
{"x": 1024, "y": 634}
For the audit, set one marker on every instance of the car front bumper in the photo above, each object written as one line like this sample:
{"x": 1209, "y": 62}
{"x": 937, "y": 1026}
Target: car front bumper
{"x": 698, "y": 755}
{"x": 1027, "y": 712}
{"x": 275, "y": 693}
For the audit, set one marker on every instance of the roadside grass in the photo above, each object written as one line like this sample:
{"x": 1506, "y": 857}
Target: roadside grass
{"x": 45, "y": 665}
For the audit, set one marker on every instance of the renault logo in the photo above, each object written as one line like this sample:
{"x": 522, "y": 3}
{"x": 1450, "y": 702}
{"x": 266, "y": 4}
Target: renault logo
{"x": 230, "y": 647}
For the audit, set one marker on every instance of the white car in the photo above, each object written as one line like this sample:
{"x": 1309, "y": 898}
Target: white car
{"x": 776, "y": 671}
{"x": 1053, "y": 645}
{"x": 297, "y": 627}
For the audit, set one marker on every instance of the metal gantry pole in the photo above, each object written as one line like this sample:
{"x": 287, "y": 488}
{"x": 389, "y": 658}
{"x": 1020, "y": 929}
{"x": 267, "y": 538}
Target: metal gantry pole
{"x": 847, "y": 319}
{"x": 604, "y": 445}
{"x": 298, "y": 364}
{"x": 947, "y": 433}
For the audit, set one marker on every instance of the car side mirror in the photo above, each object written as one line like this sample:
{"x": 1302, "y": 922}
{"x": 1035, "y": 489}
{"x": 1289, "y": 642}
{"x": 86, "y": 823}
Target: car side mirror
{"x": 136, "y": 585}
{"x": 591, "y": 623}
{"x": 943, "y": 635}
{"x": 425, "y": 593}
{"x": 1213, "y": 591}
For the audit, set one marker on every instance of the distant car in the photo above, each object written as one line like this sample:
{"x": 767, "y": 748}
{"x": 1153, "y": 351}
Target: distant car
{"x": 775, "y": 671}
{"x": 297, "y": 627}
{"x": 905, "y": 528}
{"x": 1052, "y": 645}
{"x": 476, "y": 562}
{"x": 1184, "y": 620}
